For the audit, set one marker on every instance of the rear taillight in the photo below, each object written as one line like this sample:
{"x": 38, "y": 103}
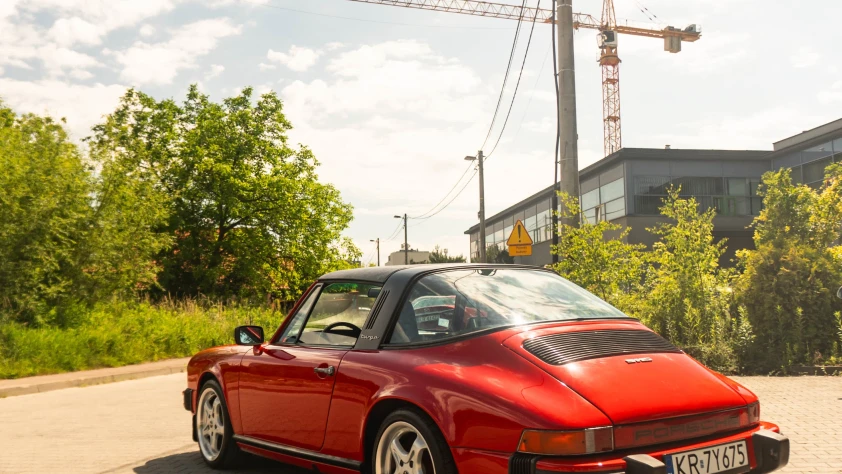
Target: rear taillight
{"x": 567, "y": 443}
{"x": 753, "y": 413}
{"x": 676, "y": 429}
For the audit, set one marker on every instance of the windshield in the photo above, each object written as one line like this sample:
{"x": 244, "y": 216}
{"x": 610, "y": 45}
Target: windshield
{"x": 456, "y": 302}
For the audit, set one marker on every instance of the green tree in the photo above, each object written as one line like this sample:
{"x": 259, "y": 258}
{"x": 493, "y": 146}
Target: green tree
{"x": 493, "y": 254}
{"x": 44, "y": 205}
{"x": 440, "y": 255}
{"x": 69, "y": 236}
{"x": 596, "y": 257}
{"x": 247, "y": 212}
{"x": 788, "y": 283}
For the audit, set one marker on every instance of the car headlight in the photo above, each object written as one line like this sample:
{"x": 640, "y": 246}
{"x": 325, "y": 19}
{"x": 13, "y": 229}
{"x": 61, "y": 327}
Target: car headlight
{"x": 567, "y": 443}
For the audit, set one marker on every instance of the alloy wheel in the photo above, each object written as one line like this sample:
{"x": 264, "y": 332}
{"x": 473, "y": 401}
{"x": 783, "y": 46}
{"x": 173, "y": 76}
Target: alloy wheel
{"x": 403, "y": 450}
{"x": 211, "y": 424}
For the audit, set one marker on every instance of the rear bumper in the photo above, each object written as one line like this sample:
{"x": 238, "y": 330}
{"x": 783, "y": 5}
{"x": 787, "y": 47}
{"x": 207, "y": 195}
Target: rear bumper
{"x": 768, "y": 452}
{"x": 187, "y": 396}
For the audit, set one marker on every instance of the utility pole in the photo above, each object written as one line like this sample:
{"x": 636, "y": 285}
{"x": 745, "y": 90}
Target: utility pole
{"x": 405, "y": 241}
{"x": 479, "y": 159}
{"x": 569, "y": 159}
{"x": 378, "y": 250}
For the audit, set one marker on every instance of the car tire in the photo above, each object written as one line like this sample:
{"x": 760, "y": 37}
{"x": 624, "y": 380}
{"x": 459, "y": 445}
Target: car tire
{"x": 213, "y": 428}
{"x": 418, "y": 441}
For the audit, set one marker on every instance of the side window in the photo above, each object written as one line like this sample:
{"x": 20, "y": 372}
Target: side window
{"x": 339, "y": 314}
{"x": 433, "y": 312}
{"x": 290, "y": 334}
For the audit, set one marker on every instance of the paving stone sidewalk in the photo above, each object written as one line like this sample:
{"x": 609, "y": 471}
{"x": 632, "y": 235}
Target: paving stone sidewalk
{"x": 139, "y": 426}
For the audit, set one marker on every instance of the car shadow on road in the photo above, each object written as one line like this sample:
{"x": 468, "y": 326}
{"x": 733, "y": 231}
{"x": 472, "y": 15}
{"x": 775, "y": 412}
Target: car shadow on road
{"x": 191, "y": 463}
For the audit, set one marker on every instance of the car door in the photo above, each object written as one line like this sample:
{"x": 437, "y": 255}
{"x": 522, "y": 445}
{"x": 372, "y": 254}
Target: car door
{"x": 286, "y": 386}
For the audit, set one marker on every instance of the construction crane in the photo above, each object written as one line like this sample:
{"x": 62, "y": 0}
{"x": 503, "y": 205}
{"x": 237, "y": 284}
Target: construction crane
{"x": 607, "y": 40}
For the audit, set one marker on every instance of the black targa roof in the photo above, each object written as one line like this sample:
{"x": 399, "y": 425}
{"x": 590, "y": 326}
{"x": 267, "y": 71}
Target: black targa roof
{"x": 381, "y": 274}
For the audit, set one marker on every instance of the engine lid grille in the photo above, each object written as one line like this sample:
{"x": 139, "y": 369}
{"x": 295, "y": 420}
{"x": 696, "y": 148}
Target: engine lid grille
{"x": 563, "y": 348}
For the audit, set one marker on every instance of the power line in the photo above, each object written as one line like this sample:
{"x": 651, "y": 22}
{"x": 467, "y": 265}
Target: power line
{"x": 423, "y": 216}
{"x": 367, "y": 20}
{"x": 506, "y": 76}
{"x": 449, "y": 202}
{"x": 394, "y": 233}
{"x": 430, "y": 213}
{"x": 514, "y": 95}
{"x": 532, "y": 95}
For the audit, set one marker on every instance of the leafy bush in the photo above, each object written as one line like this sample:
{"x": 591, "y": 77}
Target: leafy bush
{"x": 117, "y": 333}
{"x": 788, "y": 284}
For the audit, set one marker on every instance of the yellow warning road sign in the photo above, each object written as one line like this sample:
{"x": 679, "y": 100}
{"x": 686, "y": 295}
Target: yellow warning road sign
{"x": 519, "y": 236}
{"x": 520, "y": 242}
{"x": 520, "y": 250}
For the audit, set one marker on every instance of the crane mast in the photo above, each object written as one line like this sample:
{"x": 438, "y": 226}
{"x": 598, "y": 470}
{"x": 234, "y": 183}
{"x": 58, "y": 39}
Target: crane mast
{"x": 610, "y": 62}
{"x": 607, "y": 39}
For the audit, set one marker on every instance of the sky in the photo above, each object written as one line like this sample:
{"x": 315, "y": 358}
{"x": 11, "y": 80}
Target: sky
{"x": 391, "y": 99}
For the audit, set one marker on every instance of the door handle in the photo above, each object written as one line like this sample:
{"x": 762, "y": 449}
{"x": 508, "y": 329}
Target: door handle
{"x": 327, "y": 371}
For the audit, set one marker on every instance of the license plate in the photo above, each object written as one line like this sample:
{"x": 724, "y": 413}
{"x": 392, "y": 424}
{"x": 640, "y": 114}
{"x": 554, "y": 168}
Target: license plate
{"x": 728, "y": 458}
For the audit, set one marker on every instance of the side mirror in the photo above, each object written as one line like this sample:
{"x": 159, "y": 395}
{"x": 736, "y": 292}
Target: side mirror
{"x": 839, "y": 293}
{"x": 248, "y": 335}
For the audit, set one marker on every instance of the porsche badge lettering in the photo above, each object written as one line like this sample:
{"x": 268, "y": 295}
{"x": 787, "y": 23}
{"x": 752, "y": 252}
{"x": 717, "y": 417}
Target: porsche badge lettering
{"x": 370, "y": 338}
{"x": 639, "y": 361}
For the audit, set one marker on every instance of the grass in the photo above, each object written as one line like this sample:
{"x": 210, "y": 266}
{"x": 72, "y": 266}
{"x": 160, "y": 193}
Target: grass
{"x": 120, "y": 333}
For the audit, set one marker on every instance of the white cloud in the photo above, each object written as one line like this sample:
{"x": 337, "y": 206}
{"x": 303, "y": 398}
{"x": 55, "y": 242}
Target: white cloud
{"x": 399, "y": 77}
{"x": 334, "y": 46}
{"x": 266, "y": 67}
{"x": 59, "y": 59}
{"x": 83, "y": 106}
{"x": 215, "y": 70}
{"x": 81, "y": 74}
{"x": 545, "y": 125}
{"x": 298, "y": 59}
{"x": 69, "y": 31}
{"x": 146, "y": 30}
{"x": 397, "y": 98}
{"x": 106, "y": 14}
{"x": 805, "y": 57}
{"x": 159, "y": 63}
{"x": 834, "y": 94}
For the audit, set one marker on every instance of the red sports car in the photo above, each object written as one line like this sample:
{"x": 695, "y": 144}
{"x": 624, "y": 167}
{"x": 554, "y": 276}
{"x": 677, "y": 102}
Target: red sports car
{"x": 522, "y": 372}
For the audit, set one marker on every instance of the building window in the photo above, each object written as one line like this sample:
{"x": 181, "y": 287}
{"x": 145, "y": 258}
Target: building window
{"x": 694, "y": 186}
{"x": 814, "y": 172}
{"x": 615, "y": 209}
{"x": 532, "y": 226}
{"x": 728, "y": 196}
{"x": 817, "y": 152}
{"x": 611, "y": 191}
{"x": 543, "y": 221}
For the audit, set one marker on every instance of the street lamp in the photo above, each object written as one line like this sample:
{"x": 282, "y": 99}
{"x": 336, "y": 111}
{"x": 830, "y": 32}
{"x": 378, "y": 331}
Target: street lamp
{"x": 405, "y": 245}
{"x": 378, "y": 250}
{"x": 479, "y": 159}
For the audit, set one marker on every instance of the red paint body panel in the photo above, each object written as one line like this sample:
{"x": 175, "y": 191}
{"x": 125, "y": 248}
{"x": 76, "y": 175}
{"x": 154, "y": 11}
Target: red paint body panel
{"x": 481, "y": 392}
{"x": 478, "y": 394}
{"x": 669, "y": 386}
{"x": 281, "y": 399}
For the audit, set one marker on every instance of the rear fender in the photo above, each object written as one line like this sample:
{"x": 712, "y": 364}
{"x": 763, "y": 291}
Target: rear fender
{"x": 221, "y": 364}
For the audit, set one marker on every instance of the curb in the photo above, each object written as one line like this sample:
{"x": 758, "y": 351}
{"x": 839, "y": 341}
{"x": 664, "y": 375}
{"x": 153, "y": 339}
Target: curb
{"x": 47, "y": 383}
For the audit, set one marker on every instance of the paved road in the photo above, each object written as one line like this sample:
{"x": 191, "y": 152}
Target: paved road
{"x": 140, "y": 427}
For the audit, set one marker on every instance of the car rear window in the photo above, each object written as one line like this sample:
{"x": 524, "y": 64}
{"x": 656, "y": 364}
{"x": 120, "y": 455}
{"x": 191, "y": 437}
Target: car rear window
{"x": 458, "y": 302}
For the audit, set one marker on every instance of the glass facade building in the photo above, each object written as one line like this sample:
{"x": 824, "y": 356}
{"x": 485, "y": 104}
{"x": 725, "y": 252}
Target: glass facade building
{"x": 628, "y": 187}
